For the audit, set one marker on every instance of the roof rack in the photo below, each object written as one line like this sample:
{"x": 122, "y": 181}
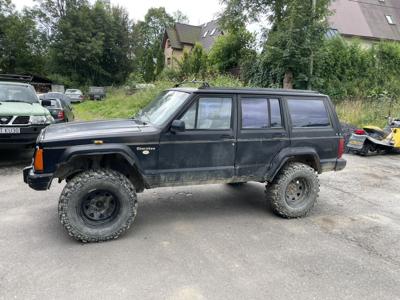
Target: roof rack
{"x": 16, "y": 77}
{"x": 204, "y": 84}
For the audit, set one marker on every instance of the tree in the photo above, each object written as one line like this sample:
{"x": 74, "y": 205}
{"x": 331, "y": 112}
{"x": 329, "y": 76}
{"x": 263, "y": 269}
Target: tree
{"x": 297, "y": 32}
{"x": 193, "y": 63}
{"x": 180, "y": 17}
{"x": 21, "y": 44}
{"x": 147, "y": 37}
{"x": 231, "y": 50}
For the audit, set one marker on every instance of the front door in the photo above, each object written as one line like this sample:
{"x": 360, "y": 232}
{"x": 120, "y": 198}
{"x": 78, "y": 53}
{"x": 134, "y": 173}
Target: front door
{"x": 205, "y": 151}
{"x": 261, "y": 135}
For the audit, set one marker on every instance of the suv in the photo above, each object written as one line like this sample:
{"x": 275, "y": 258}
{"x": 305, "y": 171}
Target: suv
{"x": 189, "y": 136}
{"x": 21, "y": 115}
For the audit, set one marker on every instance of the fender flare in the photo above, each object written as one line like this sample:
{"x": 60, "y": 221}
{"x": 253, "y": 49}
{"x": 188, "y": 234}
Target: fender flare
{"x": 90, "y": 150}
{"x": 288, "y": 153}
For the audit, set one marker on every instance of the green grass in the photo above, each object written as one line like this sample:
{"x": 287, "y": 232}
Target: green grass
{"x": 120, "y": 105}
{"x": 367, "y": 112}
{"x": 117, "y": 104}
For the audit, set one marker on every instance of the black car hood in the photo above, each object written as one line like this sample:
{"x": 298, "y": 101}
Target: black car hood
{"x": 89, "y": 130}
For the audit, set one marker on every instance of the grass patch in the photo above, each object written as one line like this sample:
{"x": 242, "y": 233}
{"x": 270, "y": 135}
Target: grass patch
{"x": 119, "y": 105}
{"x": 367, "y": 112}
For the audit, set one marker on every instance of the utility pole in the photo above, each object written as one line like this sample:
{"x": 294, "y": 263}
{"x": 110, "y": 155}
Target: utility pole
{"x": 310, "y": 75}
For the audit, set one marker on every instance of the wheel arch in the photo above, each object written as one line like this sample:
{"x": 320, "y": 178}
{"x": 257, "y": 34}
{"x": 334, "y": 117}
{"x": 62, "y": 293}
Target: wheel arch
{"x": 306, "y": 155}
{"x": 121, "y": 158}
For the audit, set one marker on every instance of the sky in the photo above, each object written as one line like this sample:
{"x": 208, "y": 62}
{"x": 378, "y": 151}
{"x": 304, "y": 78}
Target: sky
{"x": 198, "y": 12}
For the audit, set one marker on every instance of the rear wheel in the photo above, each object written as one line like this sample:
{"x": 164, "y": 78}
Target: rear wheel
{"x": 97, "y": 205}
{"x": 294, "y": 191}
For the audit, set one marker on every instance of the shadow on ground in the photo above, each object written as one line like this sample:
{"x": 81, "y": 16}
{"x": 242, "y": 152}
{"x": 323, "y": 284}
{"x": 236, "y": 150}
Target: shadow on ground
{"x": 15, "y": 157}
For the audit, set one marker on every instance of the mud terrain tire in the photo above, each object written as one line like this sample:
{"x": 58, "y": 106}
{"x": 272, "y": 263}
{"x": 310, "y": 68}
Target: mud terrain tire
{"x": 97, "y": 205}
{"x": 294, "y": 191}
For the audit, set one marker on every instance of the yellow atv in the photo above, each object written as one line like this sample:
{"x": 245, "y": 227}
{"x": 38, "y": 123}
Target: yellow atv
{"x": 375, "y": 139}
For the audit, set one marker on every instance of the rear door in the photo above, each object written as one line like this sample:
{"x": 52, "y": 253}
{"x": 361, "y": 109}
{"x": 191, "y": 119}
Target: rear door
{"x": 205, "y": 151}
{"x": 261, "y": 134}
{"x": 313, "y": 126}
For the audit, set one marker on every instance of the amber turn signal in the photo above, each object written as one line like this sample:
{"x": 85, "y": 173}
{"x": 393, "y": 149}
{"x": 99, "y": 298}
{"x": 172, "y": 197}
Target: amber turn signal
{"x": 38, "y": 161}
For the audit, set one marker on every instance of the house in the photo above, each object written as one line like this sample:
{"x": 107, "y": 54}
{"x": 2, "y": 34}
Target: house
{"x": 182, "y": 37}
{"x": 367, "y": 20}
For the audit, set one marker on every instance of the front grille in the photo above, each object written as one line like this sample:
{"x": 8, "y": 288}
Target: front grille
{"x": 21, "y": 120}
{"x": 5, "y": 120}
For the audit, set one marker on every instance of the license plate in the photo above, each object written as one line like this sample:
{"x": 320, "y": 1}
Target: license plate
{"x": 356, "y": 141}
{"x": 10, "y": 130}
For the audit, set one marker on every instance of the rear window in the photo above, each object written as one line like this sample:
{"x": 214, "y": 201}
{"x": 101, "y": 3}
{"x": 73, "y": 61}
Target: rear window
{"x": 308, "y": 113}
{"x": 51, "y": 103}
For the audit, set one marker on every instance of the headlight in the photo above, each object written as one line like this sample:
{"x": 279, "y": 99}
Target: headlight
{"x": 41, "y": 120}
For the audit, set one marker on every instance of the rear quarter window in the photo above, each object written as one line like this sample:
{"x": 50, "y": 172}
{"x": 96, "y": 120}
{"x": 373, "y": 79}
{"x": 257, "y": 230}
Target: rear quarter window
{"x": 306, "y": 113}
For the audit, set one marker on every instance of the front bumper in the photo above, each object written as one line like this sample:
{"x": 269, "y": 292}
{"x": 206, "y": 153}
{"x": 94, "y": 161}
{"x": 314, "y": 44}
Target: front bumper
{"x": 27, "y": 136}
{"x": 38, "y": 182}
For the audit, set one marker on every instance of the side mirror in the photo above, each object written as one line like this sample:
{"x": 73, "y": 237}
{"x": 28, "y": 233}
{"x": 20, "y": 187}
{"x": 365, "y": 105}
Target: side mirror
{"x": 178, "y": 126}
{"x": 46, "y": 103}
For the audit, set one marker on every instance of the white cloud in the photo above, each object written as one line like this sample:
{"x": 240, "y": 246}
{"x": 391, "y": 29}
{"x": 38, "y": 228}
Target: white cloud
{"x": 197, "y": 11}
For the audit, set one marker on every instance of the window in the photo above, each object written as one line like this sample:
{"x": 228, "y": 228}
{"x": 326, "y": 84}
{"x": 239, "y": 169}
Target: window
{"x": 258, "y": 113}
{"x": 205, "y": 34}
{"x": 276, "y": 119}
{"x": 213, "y": 31}
{"x": 209, "y": 113}
{"x": 255, "y": 113}
{"x": 390, "y": 20}
{"x": 308, "y": 113}
{"x": 169, "y": 61}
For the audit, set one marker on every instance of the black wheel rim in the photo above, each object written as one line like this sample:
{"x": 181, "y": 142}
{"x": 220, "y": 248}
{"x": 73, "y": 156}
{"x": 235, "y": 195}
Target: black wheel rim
{"x": 297, "y": 192}
{"x": 99, "y": 206}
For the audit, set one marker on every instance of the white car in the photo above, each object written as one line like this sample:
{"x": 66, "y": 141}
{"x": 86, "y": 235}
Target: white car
{"x": 75, "y": 95}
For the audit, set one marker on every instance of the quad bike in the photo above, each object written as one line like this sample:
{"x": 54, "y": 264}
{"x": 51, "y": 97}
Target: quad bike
{"x": 375, "y": 139}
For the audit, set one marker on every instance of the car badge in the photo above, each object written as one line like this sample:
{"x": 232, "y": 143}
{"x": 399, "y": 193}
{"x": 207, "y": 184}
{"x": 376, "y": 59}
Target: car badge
{"x": 3, "y": 120}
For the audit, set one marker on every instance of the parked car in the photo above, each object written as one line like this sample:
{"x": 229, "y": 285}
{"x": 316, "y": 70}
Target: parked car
{"x": 187, "y": 136}
{"x": 97, "y": 93}
{"x": 75, "y": 95}
{"x": 21, "y": 116}
{"x": 60, "y": 111}
{"x": 56, "y": 95}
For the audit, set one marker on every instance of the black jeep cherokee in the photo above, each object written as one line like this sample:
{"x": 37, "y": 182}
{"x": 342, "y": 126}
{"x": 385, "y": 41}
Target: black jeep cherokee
{"x": 189, "y": 136}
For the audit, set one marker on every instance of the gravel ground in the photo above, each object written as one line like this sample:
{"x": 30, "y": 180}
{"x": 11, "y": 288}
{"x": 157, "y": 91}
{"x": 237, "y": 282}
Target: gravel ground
{"x": 211, "y": 242}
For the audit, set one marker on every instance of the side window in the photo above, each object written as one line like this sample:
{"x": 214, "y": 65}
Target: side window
{"x": 259, "y": 113}
{"x": 190, "y": 117}
{"x": 209, "y": 113}
{"x": 254, "y": 113}
{"x": 308, "y": 113}
{"x": 276, "y": 118}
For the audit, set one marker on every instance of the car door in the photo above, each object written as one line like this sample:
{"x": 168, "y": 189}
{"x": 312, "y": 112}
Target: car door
{"x": 205, "y": 151}
{"x": 312, "y": 126}
{"x": 261, "y": 135}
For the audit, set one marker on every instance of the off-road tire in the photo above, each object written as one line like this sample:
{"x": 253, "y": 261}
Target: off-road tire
{"x": 276, "y": 192}
{"x": 74, "y": 193}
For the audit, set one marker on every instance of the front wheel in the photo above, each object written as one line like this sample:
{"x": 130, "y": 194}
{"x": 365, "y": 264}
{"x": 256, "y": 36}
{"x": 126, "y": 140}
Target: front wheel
{"x": 294, "y": 191}
{"x": 97, "y": 205}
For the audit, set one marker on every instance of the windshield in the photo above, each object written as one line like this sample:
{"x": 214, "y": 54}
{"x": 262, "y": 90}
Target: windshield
{"x": 163, "y": 107}
{"x": 17, "y": 93}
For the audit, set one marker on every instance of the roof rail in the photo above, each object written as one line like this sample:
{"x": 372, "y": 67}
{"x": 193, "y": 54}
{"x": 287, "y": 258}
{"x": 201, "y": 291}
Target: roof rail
{"x": 16, "y": 77}
{"x": 204, "y": 84}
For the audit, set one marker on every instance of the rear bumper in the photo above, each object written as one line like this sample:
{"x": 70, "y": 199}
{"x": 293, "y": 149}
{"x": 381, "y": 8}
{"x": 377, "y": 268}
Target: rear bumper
{"x": 340, "y": 164}
{"x": 38, "y": 182}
